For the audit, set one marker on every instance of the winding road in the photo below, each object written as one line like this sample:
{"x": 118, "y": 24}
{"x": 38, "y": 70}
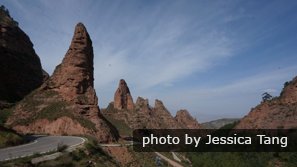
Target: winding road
{"x": 41, "y": 144}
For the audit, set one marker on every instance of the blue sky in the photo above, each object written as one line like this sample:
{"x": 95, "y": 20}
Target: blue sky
{"x": 214, "y": 58}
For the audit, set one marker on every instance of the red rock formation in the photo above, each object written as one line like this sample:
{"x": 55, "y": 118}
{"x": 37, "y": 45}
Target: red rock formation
{"x": 122, "y": 97}
{"x": 67, "y": 101}
{"x": 163, "y": 117}
{"x": 184, "y": 118}
{"x": 74, "y": 76}
{"x": 20, "y": 67}
{"x": 142, "y": 105}
{"x": 280, "y": 112}
{"x": 143, "y": 115}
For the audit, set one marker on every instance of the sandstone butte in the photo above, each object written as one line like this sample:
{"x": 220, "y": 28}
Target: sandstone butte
{"x": 20, "y": 69}
{"x": 122, "y": 97}
{"x": 142, "y": 115}
{"x": 66, "y": 104}
{"x": 278, "y": 113}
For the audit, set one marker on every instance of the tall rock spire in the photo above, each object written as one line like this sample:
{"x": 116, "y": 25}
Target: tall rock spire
{"x": 74, "y": 76}
{"x": 122, "y": 97}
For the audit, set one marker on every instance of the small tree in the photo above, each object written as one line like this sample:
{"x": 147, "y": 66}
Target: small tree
{"x": 266, "y": 96}
{"x": 61, "y": 147}
{"x": 286, "y": 84}
{"x": 2, "y": 7}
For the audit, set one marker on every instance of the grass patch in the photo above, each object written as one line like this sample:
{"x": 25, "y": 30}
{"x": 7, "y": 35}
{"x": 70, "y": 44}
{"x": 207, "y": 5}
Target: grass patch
{"x": 9, "y": 138}
{"x": 4, "y": 114}
{"x": 241, "y": 159}
{"x": 30, "y": 102}
{"x": 55, "y": 110}
{"x": 144, "y": 159}
{"x": 122, "y": 127}
{"x": 85, "y": 123}
{"x": 230, "y": 125}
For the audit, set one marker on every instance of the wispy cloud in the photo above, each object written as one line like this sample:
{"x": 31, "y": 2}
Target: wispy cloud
{"x": 167, "y": 51}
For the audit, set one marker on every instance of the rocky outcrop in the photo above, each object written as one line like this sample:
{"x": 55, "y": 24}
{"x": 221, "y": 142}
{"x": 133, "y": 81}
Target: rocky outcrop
{"x": 66, "y": 103}
{"x": 145, "y": 116}
{"x": 278, "y": 113}
{"x": 20, "y": 67}
{"x": 162, "y": 116}
{"x": 122, "y": 97}
{"x": 142, "y": 105}
{"x": 184, "y": 118}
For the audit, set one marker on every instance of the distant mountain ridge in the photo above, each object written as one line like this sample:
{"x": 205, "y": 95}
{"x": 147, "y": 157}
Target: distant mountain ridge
{"x": 216, "y": 124}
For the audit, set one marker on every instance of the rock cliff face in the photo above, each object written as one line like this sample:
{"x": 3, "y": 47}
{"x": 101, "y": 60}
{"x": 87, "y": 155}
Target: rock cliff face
{"x": 20, "y": 67}
{"x": 66, "y": 103}
{"x": 184, "y": 118}
{"x": 122, "y": 97}
{"x": 280, "y": 112}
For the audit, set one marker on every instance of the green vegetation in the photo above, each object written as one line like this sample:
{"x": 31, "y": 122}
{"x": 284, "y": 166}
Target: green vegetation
{"x": 122, "y": 127}
{"x": 31, "y": 103}
{"x": 23, "y": 162}
{"x": 9, "y": 138}
{"x": 50, "y": 93}
{"x": 91, "y": 155}
{"x": 242, "y": 159}
{"x": 230, "y": 126}
{"x": 4, "y": 114}
{"x": 266, "y": 96}
{"x": 287, "y": 83}
{"x": 110, "y": 108}
{"x": 144, "y": 159}
{"x": 52, "y": 111}
{"x": 61, "y": 147}
{"x": 85, "y": 123}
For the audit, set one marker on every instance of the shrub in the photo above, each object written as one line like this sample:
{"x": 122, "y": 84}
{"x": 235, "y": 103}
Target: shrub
{"x": 61, "y": 147}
